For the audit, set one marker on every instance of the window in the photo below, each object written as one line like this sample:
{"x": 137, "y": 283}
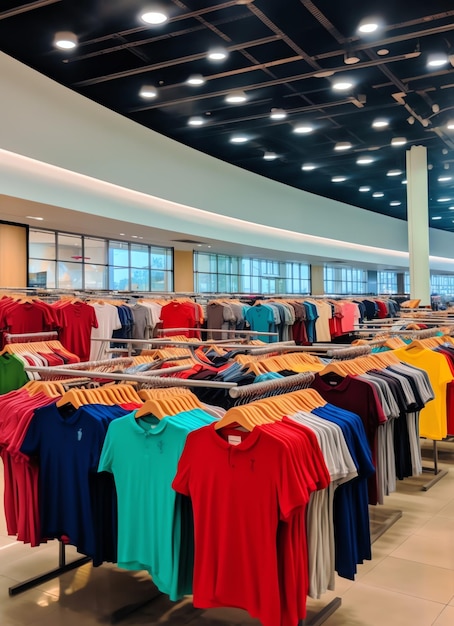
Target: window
{"x": 42, "y": 245}
{"x": 69, "y": 248}
{"x": 387, "y": 282}
{"x": 219, "y": 273}
{"x": 69, "y": 275}
{"x": 442, "y": 285}
{"x": 119, "y": 253}
{"x": 345, "y": 280}
{"x": 75, "y": 262}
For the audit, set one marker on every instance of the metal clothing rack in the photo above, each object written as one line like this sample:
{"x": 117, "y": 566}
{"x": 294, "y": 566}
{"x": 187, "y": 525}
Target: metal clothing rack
{"x": 272, "y": 387}
{"x": 62, "y": 568}
{"x": 438, "y": 474}
{"x": 153, "y": 379}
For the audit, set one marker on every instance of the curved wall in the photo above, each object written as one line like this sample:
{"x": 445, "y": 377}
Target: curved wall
{"x": 125, "y": 169}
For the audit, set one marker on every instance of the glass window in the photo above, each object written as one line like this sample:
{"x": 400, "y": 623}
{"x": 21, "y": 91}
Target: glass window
{"x": 223, "y": 283}
{"x": 41, "y": 274}
{"x": 246, "y": 266}
{"x": 69, "y": 275}
{"x": 206, "y": 262}
{"x": 161, "y": 281}
{"x": 161, "y": 258}
{"x": 95, "y": 251}
{"x": 69, "y": 248}
{"x": 95, "y": 277}
{"x": 206, "y": 283}
{"x": 119, "y": 253}
{"x": 41, "y": 244}
{"x": 387, "y": 282}
{"x": 242, "y": 275}
{"x": 140, "y": 256}
{"x": 345, "y": 280}
{"x": 140, "y": 279}
{"x": 95, "y": 263}
{"x": 245, "y": 284}
{"x": 119, "y": 278}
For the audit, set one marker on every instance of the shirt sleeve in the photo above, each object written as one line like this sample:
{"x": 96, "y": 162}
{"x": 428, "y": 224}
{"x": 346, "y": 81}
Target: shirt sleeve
{"x": 291, "y": 494}
{"x": 32, "y": 441}
{"x": 107, "y": 453}
{"x": 182, "y": 478}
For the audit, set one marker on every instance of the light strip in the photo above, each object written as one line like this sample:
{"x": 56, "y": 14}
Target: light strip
{"x": 198, "y": 216}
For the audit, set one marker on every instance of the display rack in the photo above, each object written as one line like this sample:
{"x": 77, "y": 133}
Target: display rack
{"x": 62, "y": 568}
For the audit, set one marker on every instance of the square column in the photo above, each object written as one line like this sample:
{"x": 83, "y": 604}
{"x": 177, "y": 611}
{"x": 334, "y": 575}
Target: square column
{"x": 418, "y": 223}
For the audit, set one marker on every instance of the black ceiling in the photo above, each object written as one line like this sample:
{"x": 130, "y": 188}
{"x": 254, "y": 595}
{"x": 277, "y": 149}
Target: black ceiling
{"x": 276, "y": 48}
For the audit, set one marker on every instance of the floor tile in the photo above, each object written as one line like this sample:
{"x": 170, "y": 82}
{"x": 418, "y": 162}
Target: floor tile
{"x": 364, "y": 605}
{"x": 446, "y": 618}
{"x": 430, "y": 550}
{"x": 415, "y": 579}
{"x": 439, "y": 526}
{"x": 24, "y": 608}
{"x": 448, "y": 510}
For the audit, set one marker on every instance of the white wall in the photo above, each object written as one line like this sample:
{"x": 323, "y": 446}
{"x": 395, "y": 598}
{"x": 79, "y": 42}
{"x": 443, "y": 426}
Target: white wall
{"x": 52, "y": 125}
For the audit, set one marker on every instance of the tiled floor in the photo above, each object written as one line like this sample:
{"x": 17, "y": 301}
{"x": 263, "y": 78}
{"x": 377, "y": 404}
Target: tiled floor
{"x": 409, "y": 582}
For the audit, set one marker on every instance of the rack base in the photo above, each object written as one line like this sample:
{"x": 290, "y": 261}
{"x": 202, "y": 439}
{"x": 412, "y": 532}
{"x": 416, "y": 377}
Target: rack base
{"x": 44, "y": 578}
{"x": 322, "y": 615}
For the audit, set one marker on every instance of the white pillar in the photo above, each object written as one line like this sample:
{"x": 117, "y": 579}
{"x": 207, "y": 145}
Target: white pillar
{"x": 418, "y": 223}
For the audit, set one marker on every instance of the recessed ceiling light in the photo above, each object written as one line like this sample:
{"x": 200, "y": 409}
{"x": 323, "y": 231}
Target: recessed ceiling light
{"x": 236, "y": 97}
{"x": 444, "y": 179}
{"x": 342, "y": 85}
{"x": 450, "y": 125}
{"x": 270, "y": 156}
{"x": 324, "y": 74}
{"x": 308, "y": 167}
{"x": 383, "y": 52}
{"x": 148, "y": 91}
{"x": 393, "y": 172}
{"x": 217, "y": 54}
{"x": 350, "y": 58}
{"x": 395, "y": 203}
{"x": 437, "y": 217}
{"x": 343, "y": 145}
{"x": 196, "y": 80}
{"x": 444, "y": 199}
{"x": 364, "y": 188}
{"x": 378, "y": 194}
{"x": 196, "y": 120}
{"x": 278, "y": 114}
{"x": 338, "y": 179}
{"x": 34, "y": 217}
{"x": 364, "y": 160}
{"x": 437, "y": 59}
{"x": 380, "y": 123}
{"x": 404, "y": 182}
{"x": 65, "y": 40}
{"x": 368, "y": 25}
{"x": 153, "y": 17}
{"x": 398, "y": 141}
{"x": 134, "y": 236}
{"x": 303, "y": 129}
{"x": 239, "y": 139}
{"x": 122, "y": 234}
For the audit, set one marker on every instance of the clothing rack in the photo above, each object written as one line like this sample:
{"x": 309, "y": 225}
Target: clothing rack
{"x": 270, "y": 387}
{"x": 155, "y": 379}
{"x": 30, "y": 337}
{"x": 247, "y": 333}
{"x": 62, "y": 568}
